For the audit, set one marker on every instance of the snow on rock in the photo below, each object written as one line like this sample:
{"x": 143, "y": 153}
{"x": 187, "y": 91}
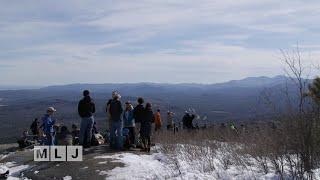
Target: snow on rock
{"x": 3, "y": 156}
{"x": 67, "y": 178}
{"x": 160, "y": 166}
{"x": 15, "y": 170}
{"x": 197, "y": 162}
{"x": 137, "y": 167}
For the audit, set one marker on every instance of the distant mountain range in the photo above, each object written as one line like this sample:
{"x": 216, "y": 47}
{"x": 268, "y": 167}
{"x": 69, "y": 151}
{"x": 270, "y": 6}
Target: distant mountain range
{"x": 262, "y": 81}
{"x": 238, "y": 100}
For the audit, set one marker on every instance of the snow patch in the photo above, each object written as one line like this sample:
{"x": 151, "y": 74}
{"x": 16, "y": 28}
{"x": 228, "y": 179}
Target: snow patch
{"x": 3, "y": 156}
{"x": 67, "y": 178}
{"x": 102, "y": 173}
{"x": 137, "y": 166}
{"x": 162, "y": 166}
{"x": 15, "y": 170}
{"x": 103, "y": 162}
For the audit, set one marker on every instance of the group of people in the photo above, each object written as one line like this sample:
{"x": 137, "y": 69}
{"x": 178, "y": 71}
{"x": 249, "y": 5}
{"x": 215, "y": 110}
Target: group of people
{"x": 129, "y": 126}
{"x": 123, "y": 122}
{"x": 49, "y": 133}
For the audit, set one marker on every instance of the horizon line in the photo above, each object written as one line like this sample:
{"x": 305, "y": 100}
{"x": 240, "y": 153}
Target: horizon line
{"x": 30, "y": 87}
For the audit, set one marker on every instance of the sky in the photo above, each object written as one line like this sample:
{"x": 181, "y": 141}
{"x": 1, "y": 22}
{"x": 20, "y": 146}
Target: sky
{"x": 45, "y": 42}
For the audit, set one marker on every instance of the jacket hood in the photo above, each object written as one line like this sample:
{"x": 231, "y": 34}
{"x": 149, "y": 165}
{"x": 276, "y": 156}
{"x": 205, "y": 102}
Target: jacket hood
{"x": 87, "y": 98}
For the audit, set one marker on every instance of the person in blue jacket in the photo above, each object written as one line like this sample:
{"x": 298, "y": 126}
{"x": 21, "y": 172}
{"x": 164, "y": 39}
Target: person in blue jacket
{"x": 129, "y": 122}
{"x": 47, "y": 125}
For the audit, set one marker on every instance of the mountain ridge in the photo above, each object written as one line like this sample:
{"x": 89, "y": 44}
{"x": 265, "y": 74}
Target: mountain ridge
{"x": 246, "y": 82}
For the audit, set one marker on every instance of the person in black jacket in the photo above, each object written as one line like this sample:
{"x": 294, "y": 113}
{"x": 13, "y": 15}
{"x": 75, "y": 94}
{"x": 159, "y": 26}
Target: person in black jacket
{"x": 109, "y": 120}
{"x": 138, "y": 115}
{"x": 86, "y": 109}
{"x": 35, "y": 128}
{"x": 115, "y": 111}
{"x": 188, "y": 121}
{"x": 146, "y": 126}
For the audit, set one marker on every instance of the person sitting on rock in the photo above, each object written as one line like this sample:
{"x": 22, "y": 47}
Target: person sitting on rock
{"x": 35, "y": 129}
{"x": 23, "y": 141}
{"x": 75, "y": 134}
{"x": 64, "y": 137}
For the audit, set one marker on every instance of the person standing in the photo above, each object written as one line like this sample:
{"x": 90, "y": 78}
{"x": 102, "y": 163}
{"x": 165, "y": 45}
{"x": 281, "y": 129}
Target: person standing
{"x": 170, "y": 120}
{"x": 86, "y": 109}
{"x": 35, "y": 128}
{"x": 115, "y": 110}
{"x": 47, "y": 125}
{"x": 129, "y": 122}
{"x": 109, "y": 120}
{"x": 188, "y": 121}
{"x": 158, "y": 121}
{"x": 138, "y": 114}
{"x": 146, "y": 125}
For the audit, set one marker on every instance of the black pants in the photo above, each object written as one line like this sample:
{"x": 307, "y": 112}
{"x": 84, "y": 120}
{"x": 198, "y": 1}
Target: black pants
{"x": 132, "y": 134}
{"x": 146, "y": 140}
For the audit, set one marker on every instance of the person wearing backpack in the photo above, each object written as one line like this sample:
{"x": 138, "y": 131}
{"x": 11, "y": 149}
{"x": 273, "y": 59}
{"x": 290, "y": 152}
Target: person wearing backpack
{"x": 146, "y": 125}
{"x": 129, "y": 122}
{"x": 115, "y": 110}
{"x": 86, "y": 109}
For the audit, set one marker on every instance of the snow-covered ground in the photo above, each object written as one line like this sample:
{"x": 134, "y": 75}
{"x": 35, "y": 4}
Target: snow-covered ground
{"x": 156, "y": 166}
{"x": 180, "y": 162}
{"x": 138, "y": 166}
{"x": 162, "y": 166}
{"x": 15, "y": 170}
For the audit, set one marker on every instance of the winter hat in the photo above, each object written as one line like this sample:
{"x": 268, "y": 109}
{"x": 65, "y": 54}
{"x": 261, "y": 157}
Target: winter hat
{"x": 51, "y": 109}
{"x": 86, "y": 93}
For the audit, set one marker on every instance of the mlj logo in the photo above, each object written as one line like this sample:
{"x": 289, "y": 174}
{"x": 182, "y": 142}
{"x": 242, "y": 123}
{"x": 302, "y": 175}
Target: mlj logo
{"x": 57, "y": 153}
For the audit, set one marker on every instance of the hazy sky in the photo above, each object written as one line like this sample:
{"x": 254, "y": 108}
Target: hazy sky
{"x": 44, "y": 42}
